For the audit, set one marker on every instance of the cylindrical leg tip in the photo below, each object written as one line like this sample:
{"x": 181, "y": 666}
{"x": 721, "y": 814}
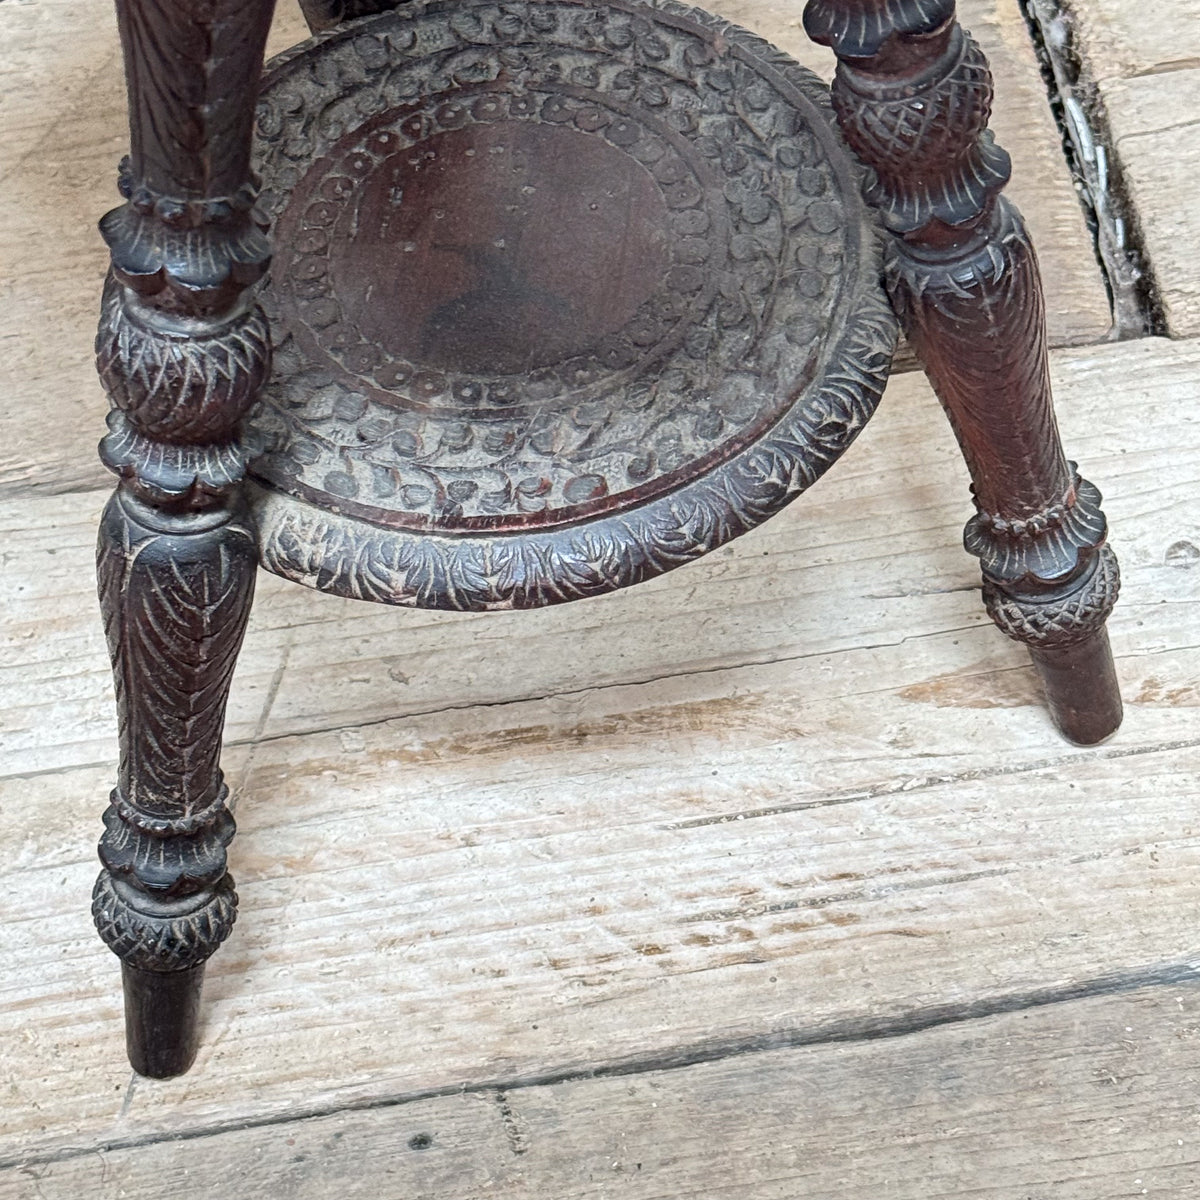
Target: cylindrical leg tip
{"x": 1088, "y": 728}
{"x": 162, "y": 1016}
{"x": 1081, "y": 689}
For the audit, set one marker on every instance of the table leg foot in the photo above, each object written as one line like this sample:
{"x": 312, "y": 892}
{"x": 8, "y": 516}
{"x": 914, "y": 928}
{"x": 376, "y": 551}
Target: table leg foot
{"x": 162, "y": 1011}
{"x": 1081, "y": 689}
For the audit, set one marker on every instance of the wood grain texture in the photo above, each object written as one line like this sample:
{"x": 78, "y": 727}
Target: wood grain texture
{"x": 63, "y": 97}
{"x": 60, "y": 83}
{"x": 1085, "y": 1100}
{"x": 1150, "y": 118}
{"x": 1146, "y": 69}
{"x": 1076, "y": 308}
{"x": 1122, "y": 39}
{"x": 893, "y": 510}
{"x": 694, "y": 820}
{"x": 696, "y": 426}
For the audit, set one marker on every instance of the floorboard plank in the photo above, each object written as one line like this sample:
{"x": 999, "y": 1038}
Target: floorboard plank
{"x": 873, "y": 555}
{"x": 1150, "y": 117}
{"x": 800, "y": 786}
{"x": 761, "y": 835}
{"x": 1146, "y": 70}
{"x": 1121, "y": 42}
{"x": 1085, "y": 1100}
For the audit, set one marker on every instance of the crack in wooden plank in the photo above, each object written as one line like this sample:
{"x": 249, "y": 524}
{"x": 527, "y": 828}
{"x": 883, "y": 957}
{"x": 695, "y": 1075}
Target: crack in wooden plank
{"x": 881, "y": 891}
{"x": 1118, "y": 240}
{"x": 898, "y": 787}
{"x": 1175, "y": 127}
{"x": 255, "y": 739}
{"x": 837, "y": 1031}
{"x": 919, "y": 784}
{"x": 514, "y": 1128}
{"x": 1166, "y": 68}
{"x": 260, "y": 725}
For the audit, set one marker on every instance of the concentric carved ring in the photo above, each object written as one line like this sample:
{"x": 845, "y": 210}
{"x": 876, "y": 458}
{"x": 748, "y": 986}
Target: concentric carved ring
{"x": 565, "y": 294}
{"x": 162, "y": 936}
{"x": 1058, "y": 621}
{"x": 406, "y": 345}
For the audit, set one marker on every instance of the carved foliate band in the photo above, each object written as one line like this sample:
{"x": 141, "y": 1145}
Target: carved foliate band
{"x": 182, "y": 348}
{"x": 189, "y": 385}
{"x": 927, "y": 140}
{"x": 416, "y": 471}
{"x": 171, "y": 935}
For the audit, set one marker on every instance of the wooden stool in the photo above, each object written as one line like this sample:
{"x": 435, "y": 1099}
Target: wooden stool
{"x": 566, "y": 293}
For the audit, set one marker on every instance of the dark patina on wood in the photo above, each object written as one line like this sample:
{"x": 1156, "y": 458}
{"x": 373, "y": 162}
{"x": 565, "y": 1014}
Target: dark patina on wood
{"x": 566, "y": 295}
{"x": 913, "y": 95}
{"x": 182, "y": 351}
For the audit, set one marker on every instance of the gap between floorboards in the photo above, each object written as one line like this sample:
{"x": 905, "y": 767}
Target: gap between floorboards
{"x": 677, "y": 1058}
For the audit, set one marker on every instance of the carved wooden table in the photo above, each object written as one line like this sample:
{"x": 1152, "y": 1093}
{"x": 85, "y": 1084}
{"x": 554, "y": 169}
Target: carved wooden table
{"x": 565, "y": 294}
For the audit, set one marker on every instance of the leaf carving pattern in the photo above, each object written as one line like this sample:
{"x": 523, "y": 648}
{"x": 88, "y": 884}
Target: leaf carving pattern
{"x": 182, "y": 356}
{"x": 175, "y": 602}
{"x": 175, "y": 608}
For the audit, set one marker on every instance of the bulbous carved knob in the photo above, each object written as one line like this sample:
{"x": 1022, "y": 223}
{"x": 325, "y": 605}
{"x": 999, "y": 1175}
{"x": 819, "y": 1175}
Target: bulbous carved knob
{"x": 186, "y": 387}
{"x": 927, "y": 139}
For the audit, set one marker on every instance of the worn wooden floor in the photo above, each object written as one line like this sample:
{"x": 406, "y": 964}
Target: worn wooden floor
{"x": 1141, "y": 75}
{"x": 766, "y": 880}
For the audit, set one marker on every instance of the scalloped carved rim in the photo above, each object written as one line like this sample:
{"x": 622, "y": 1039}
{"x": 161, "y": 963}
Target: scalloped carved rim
{"x": 323, "y": 548}
{"x": 347, "y": 557}
{"x": 762, "y": 184}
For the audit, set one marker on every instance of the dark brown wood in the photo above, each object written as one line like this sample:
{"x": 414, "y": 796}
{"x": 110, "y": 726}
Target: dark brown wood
{"x": 162, "y": 1019}
{"x": 913, "y": 96}
{"x": 182, "y": 352}
{"x": 1081, "y": 686}
{"x": 565, "y": 296}
{"x": 325, "y": 14}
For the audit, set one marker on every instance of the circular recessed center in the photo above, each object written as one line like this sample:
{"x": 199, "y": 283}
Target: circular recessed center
{"x": 500, "y": 248}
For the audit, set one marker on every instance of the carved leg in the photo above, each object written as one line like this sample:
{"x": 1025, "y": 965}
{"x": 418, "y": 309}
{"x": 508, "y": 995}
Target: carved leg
{"x": 182, "y": 353}
{"x": 175, "y": 590}
{"x": 913, "y": 95}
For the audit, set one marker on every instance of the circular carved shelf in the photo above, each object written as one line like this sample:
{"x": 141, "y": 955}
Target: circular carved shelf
{"x": 564, "y": 295}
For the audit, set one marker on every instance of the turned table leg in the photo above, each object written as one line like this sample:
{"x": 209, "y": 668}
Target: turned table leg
{"x": 182, "y": 351}
{"x": 913, "y": 96}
